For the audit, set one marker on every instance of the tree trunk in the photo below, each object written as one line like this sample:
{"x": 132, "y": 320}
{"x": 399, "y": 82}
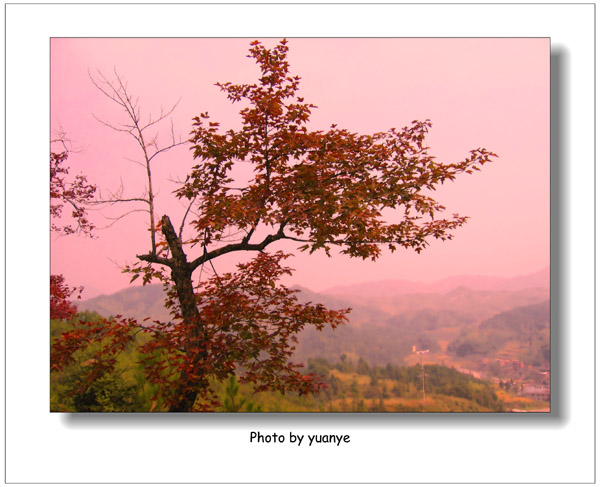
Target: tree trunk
{"x": 181, "y": 273}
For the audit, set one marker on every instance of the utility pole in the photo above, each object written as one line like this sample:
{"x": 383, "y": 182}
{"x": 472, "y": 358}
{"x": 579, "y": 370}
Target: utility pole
{"x": 421, "y": 353}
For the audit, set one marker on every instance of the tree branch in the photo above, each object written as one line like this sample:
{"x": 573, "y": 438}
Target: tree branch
{"x": 243, "y": 245}
{"x": 162, "y": 116}
{"x": 164, "y": 149}
{"x": 120, "y": 217}
{"x": 155, "y": 259}
{"x": 185, "y": 216}
{"x": 118, "y": 200}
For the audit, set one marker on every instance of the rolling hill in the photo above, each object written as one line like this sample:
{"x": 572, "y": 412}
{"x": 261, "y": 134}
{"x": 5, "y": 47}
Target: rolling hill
{"x": 383, "y": 328}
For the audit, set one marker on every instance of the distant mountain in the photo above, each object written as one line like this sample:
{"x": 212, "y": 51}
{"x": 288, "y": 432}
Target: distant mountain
{"x": 374, "y": 301}
{"x": 362, "y": 313}
{"x": 148, "y": 301}
{"x": 475, "y": 304}
{"x": 391, "y": 287}
{"x": 540, "y": 279}
{"x": 381, "y": 328}
{"x": 137, "y": 302}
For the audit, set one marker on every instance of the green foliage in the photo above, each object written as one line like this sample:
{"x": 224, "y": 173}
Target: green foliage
{"x": 233, "y": 401}
{"x": 450, "y": 388}
{"x": 471, "y": 342}
{"x": 121, "y": 390}
{"x": 109, "y": 393}
{"x": 389, "y": 388}
{"x": 442, "y": 380}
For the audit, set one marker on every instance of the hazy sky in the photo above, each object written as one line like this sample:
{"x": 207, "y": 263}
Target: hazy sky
{"x": 491, "y": 93}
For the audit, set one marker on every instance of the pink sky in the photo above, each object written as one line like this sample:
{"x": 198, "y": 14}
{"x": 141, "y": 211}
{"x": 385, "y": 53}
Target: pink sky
{"x": 491, "y": 93}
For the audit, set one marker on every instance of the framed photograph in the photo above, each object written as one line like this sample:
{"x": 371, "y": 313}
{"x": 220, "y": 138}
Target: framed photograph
{"x": 280, "y": 172}
{"x": 300, "y": 225}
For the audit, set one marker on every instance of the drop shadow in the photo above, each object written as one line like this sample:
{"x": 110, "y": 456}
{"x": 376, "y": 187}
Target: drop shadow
{"x": 559, "y": 242}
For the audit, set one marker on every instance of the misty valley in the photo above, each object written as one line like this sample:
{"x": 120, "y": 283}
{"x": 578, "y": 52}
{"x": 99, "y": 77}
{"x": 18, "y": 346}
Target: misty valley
{"x": 460, "y": 345}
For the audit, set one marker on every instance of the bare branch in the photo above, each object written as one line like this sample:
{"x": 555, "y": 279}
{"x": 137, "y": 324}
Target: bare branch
{"x": 155, "y": 259}
{"x": 162, "y": 116}
{"x": 118, "y": 92}
{"x": 127, "y": 128}
{"x": 120, "y": 217}
{"x": 118, "y": 200}
{"x": 185, "y": 216}
{"x": 164, "y": 149}
{"x": 117, "y": 197}
{"x": 135, "y": 162}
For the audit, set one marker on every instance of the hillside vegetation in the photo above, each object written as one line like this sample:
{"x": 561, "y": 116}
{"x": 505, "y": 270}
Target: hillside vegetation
{"x": 486, "y": 348}
{"x": 521, "y": 333}
{"x": 347, "y": 386}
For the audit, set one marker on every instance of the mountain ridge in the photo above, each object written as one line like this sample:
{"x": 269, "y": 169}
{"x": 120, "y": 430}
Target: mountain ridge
{"x": 367, "y": 307}
{"x": 390, "y": 287}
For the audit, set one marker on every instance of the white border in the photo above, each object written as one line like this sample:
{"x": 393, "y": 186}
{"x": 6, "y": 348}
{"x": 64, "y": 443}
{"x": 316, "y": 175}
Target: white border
{"x": 58, "y": 448}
